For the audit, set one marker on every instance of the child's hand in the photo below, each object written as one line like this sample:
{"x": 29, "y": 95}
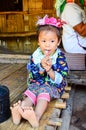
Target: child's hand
{"x": 46, "y": 63}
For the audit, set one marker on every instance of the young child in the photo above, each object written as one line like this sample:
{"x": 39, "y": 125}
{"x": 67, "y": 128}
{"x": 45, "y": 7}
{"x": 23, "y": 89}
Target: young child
{"x": 47, "y": 72}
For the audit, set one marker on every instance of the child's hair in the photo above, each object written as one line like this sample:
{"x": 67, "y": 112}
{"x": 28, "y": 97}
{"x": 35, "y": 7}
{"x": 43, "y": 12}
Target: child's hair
{"x": 50, "y": 24}
{"x": 49, "y": 28}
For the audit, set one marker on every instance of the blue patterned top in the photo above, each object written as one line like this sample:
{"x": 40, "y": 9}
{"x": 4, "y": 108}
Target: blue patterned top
{"x": 39, "y": 76}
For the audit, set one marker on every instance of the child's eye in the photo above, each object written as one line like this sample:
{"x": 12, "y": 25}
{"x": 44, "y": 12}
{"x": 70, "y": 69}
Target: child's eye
{"x": 52, "y": 41}
{"x": 43, "y": 41}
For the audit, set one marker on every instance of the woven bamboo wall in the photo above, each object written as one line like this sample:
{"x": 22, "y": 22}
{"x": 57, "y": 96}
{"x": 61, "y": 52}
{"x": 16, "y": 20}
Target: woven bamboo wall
{"x": 33, "y": 6}
{"x": 23, "y": 24}
{"x": 25, "y": 21}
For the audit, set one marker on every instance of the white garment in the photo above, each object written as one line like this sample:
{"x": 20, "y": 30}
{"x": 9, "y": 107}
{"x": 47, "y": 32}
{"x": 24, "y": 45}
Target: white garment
{"x": 73, "y": 15}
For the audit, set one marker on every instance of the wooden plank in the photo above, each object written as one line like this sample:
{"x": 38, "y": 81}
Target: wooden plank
{"x": 60, "y": 105}
{"x": 14, "y": 58}
{"x": 15, "y": 80}
{"x": 19, "y": 34}
{"x": 67, "y": 88}
{"x": 9, "y": 70}
{"x": 50, "y": 127}
{"x": 55, "y": 122}
{"x": 55, "y": 113}
{"x": 57, "y": 104}
{"x": 4, "y": 66}
{"x": 65, "y": 95}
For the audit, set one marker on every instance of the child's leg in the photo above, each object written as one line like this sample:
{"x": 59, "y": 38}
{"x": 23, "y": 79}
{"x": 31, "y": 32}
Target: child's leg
{"x": 40, "y": 108}
{"x": 30, "y": 98}
{"x": 27, "y": 102}
{"x": 42, "y": 103}
{"x": 34, "y": 116}
{"x": 16, "y": 117}
{"x": 29, "y": 114}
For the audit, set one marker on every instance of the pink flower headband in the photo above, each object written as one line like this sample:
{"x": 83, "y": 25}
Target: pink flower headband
{"x": 50, "y": 21}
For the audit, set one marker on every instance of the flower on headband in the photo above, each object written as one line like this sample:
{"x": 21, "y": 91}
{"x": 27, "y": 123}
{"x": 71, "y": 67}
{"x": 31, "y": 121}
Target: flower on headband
{"x": 50, "y": 21}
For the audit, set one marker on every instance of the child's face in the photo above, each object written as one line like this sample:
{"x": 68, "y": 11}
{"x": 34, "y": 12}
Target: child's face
{"x": 48, "y": 42}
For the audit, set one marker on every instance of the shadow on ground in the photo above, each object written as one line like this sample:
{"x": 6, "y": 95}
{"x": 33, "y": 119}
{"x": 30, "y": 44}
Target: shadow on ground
{"x": 78, "y": 120}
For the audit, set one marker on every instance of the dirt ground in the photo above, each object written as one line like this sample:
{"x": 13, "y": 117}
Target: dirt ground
{"x": 78, "y": 120}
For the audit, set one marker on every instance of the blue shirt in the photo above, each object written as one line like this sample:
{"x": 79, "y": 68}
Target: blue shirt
{"x": 38, "y": 75}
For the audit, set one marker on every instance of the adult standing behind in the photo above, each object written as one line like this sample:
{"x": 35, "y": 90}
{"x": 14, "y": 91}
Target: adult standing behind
{"x": 74, "y": 31}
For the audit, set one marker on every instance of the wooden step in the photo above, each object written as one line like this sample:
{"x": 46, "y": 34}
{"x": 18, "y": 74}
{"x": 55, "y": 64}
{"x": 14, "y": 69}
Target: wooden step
{"x": 67, "y": 88}
{"x": 65, "y": 95}
{"x": 14, "y": 58}
{"x": 55, "y": 122}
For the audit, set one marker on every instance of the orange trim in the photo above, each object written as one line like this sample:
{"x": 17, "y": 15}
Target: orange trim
{"x": 69, "y": 1}
{"x": 84, "y": 2}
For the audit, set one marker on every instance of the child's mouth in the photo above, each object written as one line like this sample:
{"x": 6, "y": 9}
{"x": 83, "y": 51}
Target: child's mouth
{"x": 47, "y": 52}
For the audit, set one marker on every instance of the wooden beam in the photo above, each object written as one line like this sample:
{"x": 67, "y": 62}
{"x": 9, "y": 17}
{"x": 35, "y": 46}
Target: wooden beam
{"x": 14, "y": 58}
{"x": 21, "y": 34}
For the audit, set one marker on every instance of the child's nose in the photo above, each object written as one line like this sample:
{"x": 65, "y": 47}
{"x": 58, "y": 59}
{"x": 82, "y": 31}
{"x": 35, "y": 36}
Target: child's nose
{"x": 48, "y": 44}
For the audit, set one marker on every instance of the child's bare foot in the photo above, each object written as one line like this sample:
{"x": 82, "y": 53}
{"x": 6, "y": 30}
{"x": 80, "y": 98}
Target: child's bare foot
{"x": 16, "y": 117}
{"x": 29, "y": 114}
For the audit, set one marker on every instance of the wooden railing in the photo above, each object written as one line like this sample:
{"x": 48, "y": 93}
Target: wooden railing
{"x": 20, "y": 23}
